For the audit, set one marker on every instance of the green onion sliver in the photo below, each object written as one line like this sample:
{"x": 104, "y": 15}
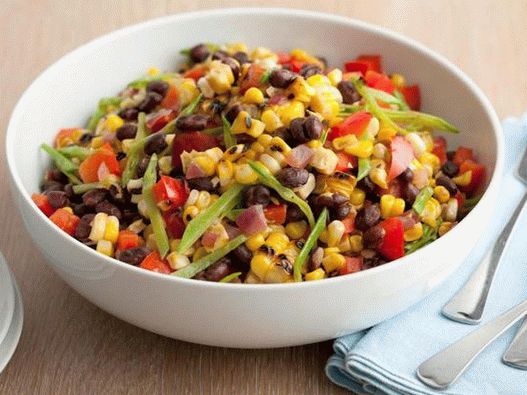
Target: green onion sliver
{"x": 230, "y": 277}
{"x": 228, "y": 137}
{"x": 83, "y": 188}
{"x": 364, "y": 163}
{"x": 65, "y": 165}
{"x": 420, "y": 201}
{"x": 102, "y": 109}
{"x": 420, "y": 120}
{"x": 75, "y": 151}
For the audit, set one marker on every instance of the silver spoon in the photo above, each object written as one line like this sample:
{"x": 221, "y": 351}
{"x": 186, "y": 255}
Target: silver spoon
{"x": 446, "y": 366}
{"x": 516, "y": 354}
{"x": 468, "y": 303}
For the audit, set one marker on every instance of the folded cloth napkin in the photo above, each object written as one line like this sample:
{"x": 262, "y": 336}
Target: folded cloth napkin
{"x": 384, "y": 359}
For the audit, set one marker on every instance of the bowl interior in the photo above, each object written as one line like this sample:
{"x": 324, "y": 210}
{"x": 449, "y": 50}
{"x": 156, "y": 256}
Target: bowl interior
{"x": 67, "y": 93}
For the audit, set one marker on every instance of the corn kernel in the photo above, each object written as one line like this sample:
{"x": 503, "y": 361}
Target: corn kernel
{"x": 98, "y": 227}
{"x": 199, "y": 253}
{"x": 362, "y": 149}
{"x": 335, "y": 231}
{"x": 271, "y": 163}
{"x": 356, "y": 243}
{"x": 445, "y": 227}
{"x": 153, "y": 71}
{"x": 414, "y": 233}
{"x": 177, "y": 261}
{"x": 441, "y": 194}
{"x": 280, "y": 146}
{"x": 427, "y": 158}
{"x": 225, "y": 172}
{"x": 111, "y": 231}
{"x": 342, "y": 142}
{"x": 253, "y": 95}
{"x": 449, "y": 212}
{"x": 256, "y": 129}
{"x": 189, "y": 213}
{"x": 317, "y": 274}
{"x": 333, "y": 262}
{"x": 165, "y": 164}
{"x": 325, "y": 106}
{"x": 335, "y": 76}
{"x": 380, "y": 151}
{"x": 271, "y": 120}
{"x": 278, "y": 241}
{"x": 113, "y": 122}
{"x": 323, "y": 236}
{"x": 295, "y": 230}
{"x": 301, "y": 90}
{"x": 260, "y": 265}
{"x": 241, "y": 123}
{"x": 245, "y": 175}
{"x": 105, "y": 247}
{"x": 324, "y": 160}
{"x": 252, "y": 278}
{"x": 289, "y": 111}
{"x": 463, "y": 179}
{"x": 220, "y": 77}
{"x": 254, "y": 242}
{"x": 265, "y": 140}
{"x": 203, "y": 200}
{"x": 379, "y": 177}
{"x": 257, "y": 147}
{"x": 97, "y": 142}
{"x": 357, "y": 197}
{"x": 206, "y": 164}
{"x": 416, "y": 142}
{"x": 391, "y": 206}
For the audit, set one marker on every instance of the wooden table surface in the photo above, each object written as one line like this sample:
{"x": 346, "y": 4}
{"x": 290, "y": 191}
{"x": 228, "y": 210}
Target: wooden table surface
{"x": 70, "y": 346}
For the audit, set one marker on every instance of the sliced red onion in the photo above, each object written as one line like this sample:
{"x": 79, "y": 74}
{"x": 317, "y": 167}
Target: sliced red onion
{"x": 232, "y": 231}
{"x": 103, "y": 171}
{"x": 252, "y": 220}
{"x": 299, "y": 156}
{"x": 209, "y": 239}
{"x": 277, "y": 100}
{"x": 194, "y": 171}
{"x": 409, "y": 219}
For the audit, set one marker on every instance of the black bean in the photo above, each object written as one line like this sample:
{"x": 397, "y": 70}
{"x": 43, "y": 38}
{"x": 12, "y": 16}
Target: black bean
{"x": 133, "y": 256}
{"x": 348, "y": 92}
{"x": 256, "y": 194}
{"x": 372, "y": 238}
{"x": 202, "y": 184}
{"x": 315, "y": 260}
{"x": 241, "y": 57}
{"x": 127, "y": 131}
{"x": 57, "y": 175}
{"x": 129, "y": 114}
{"x": 94, "y": 197}
{"x": 284, "y": 134}
{"x": 296, "y": 127}
{"x": 234, "y": 65}
{"x": 294, "y": 213}
{"x": 199, "y": 53}
{"x": 325, "y": 200}
{"x": 406, "y": 175}
{"x": 109, "y": 208}
{"x": 410, "y": 192}
{"x": 243, "y": 255}
{"x": 79, "y": 209}
{"x": 119, "y": 195}
{"x": 141, "y": 167}
{"x": 155, "y": 144}
{"x": 232, "y": 112}
{"x": 68, "y": 188}
{"x": 151, "y": 100}
{"x": 341, "y": 212}
{"x": 313, "y": 127}
{"x": 84, "y": 228}
{"x": 292, "y": 177}
{"x": 120, "y": 155}
{"x": 57, "y": 199}
{"x": 220, "y": 55}
{"x": 191, "y": 123}
{"x": 51, "y": 185}
{"x": 308, "y": 70}
{"x": 339, "y": 199}
{"x": 157, "y": 86}
{"x": 450, "y": 168}
{"x": 367, "y": 217}
{"x": 447, "y": 183}
{"x": 366, "y": 185}
{"x": 450, "y": 155}
{"x": 218, "y": 270}
{"x": 281, "y": 78}
{"x": 86, "y": 138}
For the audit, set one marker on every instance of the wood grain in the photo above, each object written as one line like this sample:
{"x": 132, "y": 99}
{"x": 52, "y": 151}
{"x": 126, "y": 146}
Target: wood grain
{"x": 69, "y": 346}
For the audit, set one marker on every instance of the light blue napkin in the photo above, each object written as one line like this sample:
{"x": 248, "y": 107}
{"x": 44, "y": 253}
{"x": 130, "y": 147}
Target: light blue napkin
{"x": 383, "y": 360}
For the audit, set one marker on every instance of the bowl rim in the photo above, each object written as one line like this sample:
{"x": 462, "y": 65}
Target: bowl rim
{"x": 270, "y": 12}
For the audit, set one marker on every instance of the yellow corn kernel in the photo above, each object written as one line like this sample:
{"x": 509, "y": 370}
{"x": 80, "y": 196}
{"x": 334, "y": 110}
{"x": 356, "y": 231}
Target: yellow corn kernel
{"x": 271, "y": 163}
{"x": 252, "y": 278}
{"x": 111, "y": 230}
{"x": 105, "y": 247}
{"x": 206, "y": 164}
{"x": 256, "y": 129}
{"x": 333, "y": 262}
{"x": 386, "y": 133}
{"x": 314, "y": 144}
{"x": 257, "y": 147}
{"x": 220, "y": 77}
{"x": 431, "y": 211}
{"x": 177, "y": 261}
{"x": 380, "y": 151}
{"x": 153, "y": 71}
{"x": 345, "y": 141}
{"x": 260, "y": 265}
{"x": 450, "y": 209}
{"x": 265, "y": 140}
{"x": 362, "y": 149}
{"x": 463, "y": 179}
{"x": 289, "y": 111}
{"x": 254, "y": 242}
{"x": 331, "y": 250}
{"x": 241, "y": 123}
{"x": 277, "y": 274}
{"x": 417, "y": 143}
{"x": 165, "y": 164}
{"x": 199, "y": 253}
{"x": 325, "y": 105}
{"x": 441, "y": 194}
{"x": 98, "y": 227}
{"x": 357, "y": 197}
{"x": 391, "y": 206}
{"x": 72, "y": 138}
{"x": 225, "y": 172}
{"x": 97, "y": 142}
{"x": 324, "y": 160}
{"x": 203, "y": 200}
{"x": 335, "y": 76}
{"x": 280, "y": 146}
{"x": 277, "y": 241}
{"x": 253, "y": 95}
{"x": 344, "y": 245}
{"x": 113, "y": 122}
{"x": 379, "y": 177}
{"x": 300, "y": 54}
{"x": 233, "y": 153}
{"x": 414, "y": 233}
{"x": 398, "y": 80}
{"x": 295, "y": 230}
{"x": 427, "y": 158}
{"x": 301, "y": 90}
{"x": 318, "y": 80}
{"x": 216, "y": 154}
{"x": 187, "y": 91}
{"x": 323, "y": 236}
{"x": 244, "y": 174}
{"x": 236, "y": 47}
{"x": 335, "y": 231}
{"x": 444, "y": 227}
{"x": 356, "y": 243}
{"x": 173, "y": 244}
{"x": 317, "y": 274}
{"x": 271, "y": 120}
{"x": 189, "y": 213}
{"x": 137, "y": 226}
{"x": 68, "y": 209}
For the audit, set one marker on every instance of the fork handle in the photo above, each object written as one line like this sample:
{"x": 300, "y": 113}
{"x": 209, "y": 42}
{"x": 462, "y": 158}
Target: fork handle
{"x": 516, "y": 354}
{"x": 468, "y": 303}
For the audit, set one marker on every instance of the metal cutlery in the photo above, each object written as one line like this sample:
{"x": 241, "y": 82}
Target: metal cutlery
{"x": 516, "y": 354}
{"x": 468, "y": 303}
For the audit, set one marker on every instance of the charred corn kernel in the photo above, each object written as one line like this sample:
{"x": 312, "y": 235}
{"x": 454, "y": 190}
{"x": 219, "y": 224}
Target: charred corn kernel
{"x": 241, "y": 123}
{"x": 245, "y": 175}
{"x": 317, "y": 274}
{"x": 199, "y": 253}
{"x": 301, "y": 90}
{"x": 279, "y": 272}
{"x": 279, "y": 145}
{"x": 105, "y": 247}
{"x": 444, "y": 227}
{"x": 325, "y": 106}
{"x": 336, "y": 230}
{"x": 357, "y": 197}
{"x": 253, "y": 95}
{"x": 256, "y": 129}
{"x": 278, "y": 241}
{"x": 441, "y": 194}
{"x": 260, "y": 265}
{"x": 225, "y": 172}
{"x": 113, "y": 122}
{"x": 220, "y": 77}
{"x": 398, "y": 80}
{"x": 192, "y": 198}
{"x": 233, "y": 153}
{"x": 335, "y": 76}
{"x": 189, "y": 213}
{"x": 152, "y": 71}
{"x": 215, "y": 154}
{"x": 289, "y": 111}
{"x": 427, "y": 158}
{"x": 380, "y": 151}
{"x": 323, "y": 236}
{"x": 431, "y": 211}
{"x": 414, "y": 233}
{"x": 416, "y": 142}
{"x": 126, "y": 144}
{"x": 177, "y": 261}
{"x": 391, "y": 206}
{"x": 203, "y": 200}
{"x": 111, "y": 230}
{"x": 257, "y": 147}
{"x": 379, "y": 177}
{"x": 206, "y": 164}
{"x": 271, "y": 163}
{"x": 344, "y": 186}
{"x": 342, "y": 142}
{"x": 271, "y": 120}
{"x": 97, "y": 142}
{"x": 305, "y": 190}
{"x": 333, "y": 262}
{"x": 265, "y": 140}
{"x": 165, "y": 164}
{"x": 386, "y": 133}
{"x": 362, "y": 149}
{"x": 98, "y": 227}
{"x": 252, "y": 278}
{"x": 449, "y": 212}
{"x": 324, "y": 160}
{"x": 356, "y": 243}
{"x": 254, "y": 242}
{"x": 295, "y": 230}
{"x": 463, "y": 179}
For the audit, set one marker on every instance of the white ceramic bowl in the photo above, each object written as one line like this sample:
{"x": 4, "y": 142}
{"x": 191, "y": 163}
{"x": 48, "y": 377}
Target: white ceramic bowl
{"x": 233, "y": 315}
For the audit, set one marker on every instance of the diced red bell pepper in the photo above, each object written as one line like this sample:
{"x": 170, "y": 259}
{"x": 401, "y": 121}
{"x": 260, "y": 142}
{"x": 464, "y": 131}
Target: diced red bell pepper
{"x": 346, "y": 162}
{"x": 174, "y": 223}
{"x": 460, "y": 199}
{"x": 65, "y": 220}
{"x": 253, "y": 77}
{"x": 276, "y": 213}
{"x": 127, "y": 239}
{"x": 88, "y": 169}
{"x": 283, "y": 57}
{"x": 159, "y": 120}
{"x": 352, "y": 265}
{"x": 63, "y": 134}
{"x": 171, "y": 191}
{"x": 439, "y": 149}
{"x": 478, "y": 175}
{"x": 462, "y": 154}
{"x": 379, "y": 81}
{"x": 354, "y": 124}
{"x": 171, "y": 99}
{"x": 356, "y": 67}
{"x": 392, "y": 246}
{"x": 402, "y": 155}
{"x": 154, "y": 263}
{"x": 372, "y": 61}
{"x": 349, "y": 223}
{"x": 190, "y": 141}
{"x": 195, "y": 73}
{"x": 412, "y": 95}
{"x": 42, "y": 203}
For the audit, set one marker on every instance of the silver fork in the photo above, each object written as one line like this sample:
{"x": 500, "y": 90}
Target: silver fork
{"x": 468, "y": 303}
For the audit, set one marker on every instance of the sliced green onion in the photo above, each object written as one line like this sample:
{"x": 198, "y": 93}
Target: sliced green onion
{"x": 287, "y": 194}
{"x": 233, "y": 214}
{"x": 189, "y": 109}
{"x": 136, "y": 151}
{"x": 230, "y": 277}
{"x": 228, "y": 137}
{"x": 364, "y": 163}
{"x": 83, "y": 188}
{"x": 303, "y": 256}
{"x": 384, "y": 96}
{"x": 403, "y": 104}
{"x": 105, "y": 104}
{"x": 75, "y": 151}
{"x": 429, "y": 235}
{"x": 65, "y": 165}
{"x": 265, "y": 77}
{"x": 213, "y": 131}
{"x": 199, "y": 224}
{"x": 421, "y": 120}
{"x": 324, "y": 136}
{"x": 469, "y": 204}
{"x": 420, "y": 201}
{"x": 203, "y": 263}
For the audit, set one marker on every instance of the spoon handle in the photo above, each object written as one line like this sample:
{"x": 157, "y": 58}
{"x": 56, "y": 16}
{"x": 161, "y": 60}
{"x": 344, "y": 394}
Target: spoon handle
{"x": 516, "y": 354}
{"x": 468, "y": 303}
{"x": 446, "y": 366}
